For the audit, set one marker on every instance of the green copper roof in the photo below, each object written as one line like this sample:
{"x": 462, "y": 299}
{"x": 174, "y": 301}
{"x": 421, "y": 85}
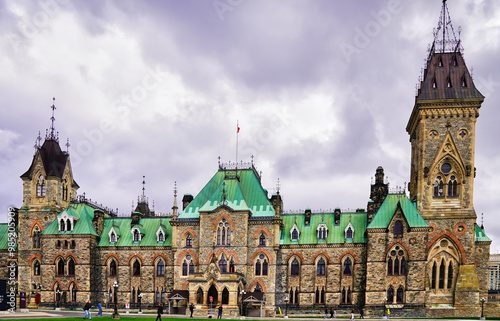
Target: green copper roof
{"x": 147, "y": 226}
{"x": 242, "y": 192}
{"x": 83, "y": 214}
{"x": 4, "y": 236}
{"x": 388, "y": 209}
{"x": 336, "y": 233}
{"x": 480, "y": 235}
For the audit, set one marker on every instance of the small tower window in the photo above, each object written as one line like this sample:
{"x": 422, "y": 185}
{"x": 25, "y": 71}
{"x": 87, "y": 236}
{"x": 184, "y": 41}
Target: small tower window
{"x": 231, "y": 266}
{"x": 60, "y": 267}
{"x": 295, "y": 235}
{"x": 320, "y": 270}
{"x": 68, "y": 225}
{"x": 347, "y": 266}
{"x": 464, "y": 82}
{"x": 390, "y": 294}
{"x": 452, "y": 186}
{"x": 62, "y": 225}
{"x": 160, "y": 268}
{"x": 398, "y": 228}
{"x": 223, "y": 233}
{"x": 112, "y": 268}
{"x": 189, "y": 241}
{"x": 71, "y": 267}
{"x": 223, "y": 264}
{"x": 112, "y": 238}
{"x": 137, "y": 236}
{"x": 161, "y": 237}
{"x": 262, "y": 240}
{"x": 36, "y": 268}
{"x": 434, "y": 84}
{"x": 136, "y": 270}
{"x": 448, "y": 82}
{"x": 348, "y": 234}
{"x": 191, "y": 267}
{"x": 438, "y": 186}
{"x": 399, "y": 295}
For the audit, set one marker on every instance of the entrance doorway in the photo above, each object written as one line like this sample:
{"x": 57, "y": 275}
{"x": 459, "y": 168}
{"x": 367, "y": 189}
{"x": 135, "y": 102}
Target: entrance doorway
{"x": 212, "y": 292}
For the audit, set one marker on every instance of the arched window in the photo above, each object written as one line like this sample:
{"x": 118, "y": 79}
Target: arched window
{"x": 316, "y": 297}
{"x": 223, "y": 233}
{"x": 71, "y": 267}
{"x": 257, "y": 288}
{"x": 262, "y": 240}
{"x": 452, "y": 186}
{"x": 184, "y": 268}
{"x": 348, "y": 234}
{"x": 296, "y": 301}
{"x": 348, "y": 299}
{"x": 257, "y": 267}
{"x": 133, "y": 295}
{"x": 320, "y": 270}
{"x": 438, "y": 186}
{"x": 113, "y": 238}
{"x": 38, "y": 189}
{"x": 322, "y": 296}
{"x": 136, "y": 268}
{"x": 433, "y": 278}
{"x": 396, "y": 266}
{"x": 74, "y": 289}
{"x": 58, "y": 244}
{"x": 450, "y": 275}
{"x": 68, "y": 225}
{"x": 343, "y": 297}
{"x": 112, "y": 268}
{"x": 295, "y": 234}
{"x": 398, "y": 228}
{"x": 161, "y": 237}
{"x": 441, "y": 274}
{"x": 66, "y": 244}
{"x": 36, "y": 268}
{"x": 231, "y": 265}
{"x": 62, "y": 226}
{"x": 137, "y": 236}
{"x": 399, "y": 295}
{"x": 60, "y": 267}
{"x": 390, "y": 294}
{"x": 73, "y": 244}
{"x": 294, "y": 271}
{"x": 225, "y": 296}
{"x": 43, "y": 188}
{"x": 160, "y": 268}
{"x": 347, "y": 266}
{"x": 191, "y": 267}
{"x": 223, "y": 264}
{"x": 36, "y": 238}
{"x": 264, "y": 267}
{"x": 403, "y": 266}
{"x": 389, "y": 266}
{"x": 189, "y": 241}
{"x": 291, "y": 297}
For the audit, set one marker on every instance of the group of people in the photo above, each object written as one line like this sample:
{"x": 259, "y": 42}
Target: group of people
{"x": 333, "y": 313}
{"x": 89, "y": 306}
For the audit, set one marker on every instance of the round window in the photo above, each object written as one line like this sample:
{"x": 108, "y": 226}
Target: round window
{"x": 393, "y": 253}
{"x": 401, "y": 253}
{"x": 261, "y": 256}
{"x": 446, "y": 168}
{"x": 188, "y": 257}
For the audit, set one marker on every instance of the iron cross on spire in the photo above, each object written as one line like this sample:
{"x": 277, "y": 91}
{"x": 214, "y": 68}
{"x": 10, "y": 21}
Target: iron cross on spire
{"x": 143, "y": 186}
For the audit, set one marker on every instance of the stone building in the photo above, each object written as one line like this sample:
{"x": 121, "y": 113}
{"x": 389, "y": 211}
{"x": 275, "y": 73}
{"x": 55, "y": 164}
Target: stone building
{"x": 232, "y": 244}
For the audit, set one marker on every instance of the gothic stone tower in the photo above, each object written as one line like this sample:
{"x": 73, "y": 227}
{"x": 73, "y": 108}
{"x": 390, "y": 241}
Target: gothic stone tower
{"x": 442, "y": 136}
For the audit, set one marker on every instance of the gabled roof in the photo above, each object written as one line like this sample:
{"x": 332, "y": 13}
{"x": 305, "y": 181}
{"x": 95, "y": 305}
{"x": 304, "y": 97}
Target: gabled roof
{"x": 481, "y": 235}
{"x": 388, "y": 209}
{"x": 336, "y": 233}
{"x": 148, "y": 227}
{"x": 83, "y": 226}
{"x": 242, "y": 192}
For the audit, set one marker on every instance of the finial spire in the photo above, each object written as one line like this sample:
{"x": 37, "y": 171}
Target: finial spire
{"x": 445, "y": 31}
{"x": 52, "y": 134}
{"x": 174, "y": 208}
{"x": 37, "y": 142}
{"x": 67, "y": 145}
{"x": 278, "y": 186}
{"x": 143, "y": 186}
{"x": 482, "y": 221}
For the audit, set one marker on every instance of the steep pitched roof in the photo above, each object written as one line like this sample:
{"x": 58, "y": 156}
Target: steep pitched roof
{"x": 388, "y": 209}
{"x": 4, "y": 236}
{"x": 336, "y": 233}
{"x": 447, "y": 77}
{"x": 242, "y": 192}
{"x": 481, "y": 235}
{"x": 148, "y": 227}
{"x": 83, "y": 226}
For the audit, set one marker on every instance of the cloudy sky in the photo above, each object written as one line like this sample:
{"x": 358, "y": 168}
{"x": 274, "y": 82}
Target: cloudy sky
{"x": 322, "y": 91}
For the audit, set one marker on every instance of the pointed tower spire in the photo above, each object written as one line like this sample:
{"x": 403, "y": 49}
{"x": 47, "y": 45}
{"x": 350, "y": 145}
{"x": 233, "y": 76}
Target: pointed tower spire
{"x": 445, "y": 39}
{"x": 174, "y": 208}
{"x": 51, "y": 134}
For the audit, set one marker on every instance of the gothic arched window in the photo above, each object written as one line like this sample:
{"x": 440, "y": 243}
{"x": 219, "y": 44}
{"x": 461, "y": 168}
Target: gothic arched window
{"x": 262, "y": 240}
{"x": 320, "y": 270}
{"x": 398, "y": 228}
{"x": 160, "y": 268}
{"x": 390, "y": 294}
{"x": 71, "y": 267}
{"x": 60, "y": 267}
{"x": 399, "y": 295}
{"x": 74, "y": 290}
{"x": 36, "y": 268}
{"x": 348, "y": 234}
{"x": 112, "y": 268}
{"x": 347, "y": 266}
{"x": 223, "y": 233}
{"x": 223, "y": 264}
{"x": 294, "y": 270}
{"x": 452, "y": 186}
{"x": 189, "y": 241}
{"x": 136, "y": 268}
{"x": 438, "y": 186}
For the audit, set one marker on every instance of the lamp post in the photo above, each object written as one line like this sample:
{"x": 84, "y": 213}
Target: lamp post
{"x": 242, "y": 293}
{"x": 140, "y": 301}
{"x": 115, "y": 312}
{"x": 383, "y": 309}
{"x": 482, "y": 308}
{"x": 286, "y": 306}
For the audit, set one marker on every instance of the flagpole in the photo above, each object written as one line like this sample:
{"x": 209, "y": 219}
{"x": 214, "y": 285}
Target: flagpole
{"x": 237, "y": 134}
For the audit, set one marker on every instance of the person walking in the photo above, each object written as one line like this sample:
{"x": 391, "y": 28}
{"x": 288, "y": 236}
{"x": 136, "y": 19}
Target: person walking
{"x": 219, "y": 316}
{"x": 331, "y": 313}
{"x": 99, "y": 311}
{"x": 361, "y": 314}
{"x": 191, "y": 309}
{"x": 159, "y": 311}
{"x": 326, "y": 313}
{"x": 334, "y": 314}
{"x": 352, "y": 315}
{"x": 388, "y": 313}
{"x": 86, "y": 309}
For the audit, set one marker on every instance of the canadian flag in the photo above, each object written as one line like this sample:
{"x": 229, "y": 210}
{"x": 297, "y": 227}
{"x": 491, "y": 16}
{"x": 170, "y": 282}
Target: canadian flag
{"x": 237, "y": 128}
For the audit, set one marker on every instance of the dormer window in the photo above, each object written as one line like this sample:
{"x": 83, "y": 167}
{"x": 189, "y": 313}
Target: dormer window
{"x": 464, "y": 82}
{"x": 322, "y": 231}
{"x": 113, "y": 235}
{"x": 66, "y": 222}
{"x": 440, "y": 64}
{"x": 136, "y": 234}
{"x": 295, "y": 233}
{"x": 434, "y": 84}
{"x": 455, "y": 63}
{"x": 349, "y": 231}
{"x": 160, "y": 235}
{"x": 448, "y": 81}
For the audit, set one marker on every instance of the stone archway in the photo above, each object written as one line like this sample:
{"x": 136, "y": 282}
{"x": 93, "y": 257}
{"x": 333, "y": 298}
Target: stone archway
{"x": 212, "y": 292}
